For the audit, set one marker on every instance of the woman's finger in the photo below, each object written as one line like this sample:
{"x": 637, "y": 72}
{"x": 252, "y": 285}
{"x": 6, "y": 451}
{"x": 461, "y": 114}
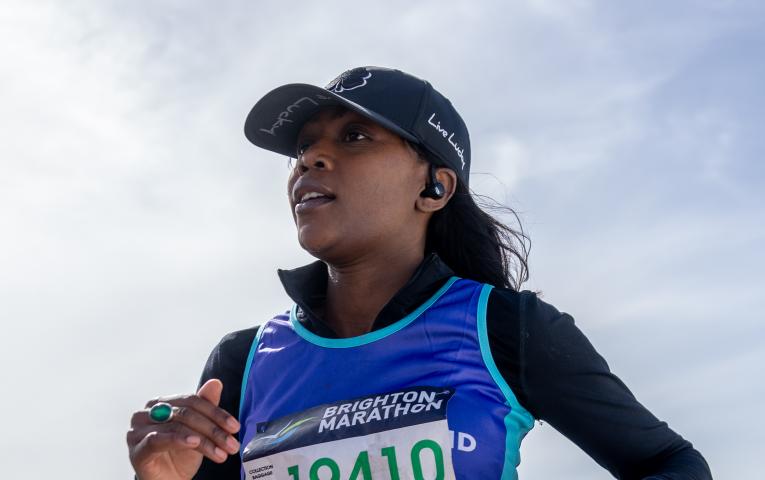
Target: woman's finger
{"x": 202, "y": 424}
{"x": 161, "y": 438}
{"x": 211, "y": 391}
{"x": 153, "y": 442}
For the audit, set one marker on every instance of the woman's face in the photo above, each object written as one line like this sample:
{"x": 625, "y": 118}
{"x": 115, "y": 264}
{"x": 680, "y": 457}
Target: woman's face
{"x": 369, "y": 180}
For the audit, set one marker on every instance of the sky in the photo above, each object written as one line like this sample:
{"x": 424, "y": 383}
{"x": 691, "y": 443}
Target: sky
{"x": 138, "y": 226}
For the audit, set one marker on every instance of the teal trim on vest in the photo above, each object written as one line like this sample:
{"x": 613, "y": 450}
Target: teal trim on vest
{"x": 517, "y": 414}
{"x": 250, "y": 356}
{"x": 371, "y": 336}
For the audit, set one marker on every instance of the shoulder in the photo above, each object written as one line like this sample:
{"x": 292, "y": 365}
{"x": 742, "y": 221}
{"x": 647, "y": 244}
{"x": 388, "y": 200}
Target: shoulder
{"x": 520, "y": 308}
{"x": 506, "y": 298}
{"x": 236, "y": 339}
{"x": 235, "y": 344}
{"x": 525, "y": 309}
{"x": 232, "y": 350}
{"x": 540, "y": 339}
{"x": 550, "y": 349}
{"x": 228, "y": 357}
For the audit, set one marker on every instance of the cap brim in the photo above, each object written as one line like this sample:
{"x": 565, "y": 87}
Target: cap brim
{"x": 275, "y": 121}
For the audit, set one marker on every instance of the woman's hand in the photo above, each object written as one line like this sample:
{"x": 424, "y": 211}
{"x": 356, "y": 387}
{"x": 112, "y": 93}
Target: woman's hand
{"x": 173, "y": 450}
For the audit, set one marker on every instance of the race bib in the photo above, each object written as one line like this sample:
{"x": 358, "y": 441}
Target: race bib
{"x": 392, "y": 436}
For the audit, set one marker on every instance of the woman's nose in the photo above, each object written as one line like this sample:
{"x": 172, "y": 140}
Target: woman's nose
{"x": 317, "y": 156}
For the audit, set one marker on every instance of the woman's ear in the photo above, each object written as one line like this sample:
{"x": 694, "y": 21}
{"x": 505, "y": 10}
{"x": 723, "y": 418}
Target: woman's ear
{"x": 448, "y": 179}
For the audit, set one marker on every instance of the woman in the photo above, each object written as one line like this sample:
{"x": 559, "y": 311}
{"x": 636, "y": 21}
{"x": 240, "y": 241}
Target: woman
{"x": 410, "y": 351}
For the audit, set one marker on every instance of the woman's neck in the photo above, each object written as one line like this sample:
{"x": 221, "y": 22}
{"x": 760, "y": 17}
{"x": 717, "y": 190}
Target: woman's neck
{"x": 356, "y": 293}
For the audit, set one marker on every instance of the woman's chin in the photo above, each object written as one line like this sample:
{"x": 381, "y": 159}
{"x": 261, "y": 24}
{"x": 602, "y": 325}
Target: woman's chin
{"x": 314, "y": 242}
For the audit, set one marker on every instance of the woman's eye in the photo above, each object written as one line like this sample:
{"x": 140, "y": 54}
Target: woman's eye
{"x": 355, "y": 135}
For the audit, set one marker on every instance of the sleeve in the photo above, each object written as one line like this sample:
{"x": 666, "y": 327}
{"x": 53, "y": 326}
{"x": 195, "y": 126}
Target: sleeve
{"x": 227, "y": 363}
{"x": 560, "y": 378}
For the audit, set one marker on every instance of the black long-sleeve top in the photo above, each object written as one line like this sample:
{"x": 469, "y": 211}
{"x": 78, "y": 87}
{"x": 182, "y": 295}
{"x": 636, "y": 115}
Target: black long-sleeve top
{"x": 552, "y": 368}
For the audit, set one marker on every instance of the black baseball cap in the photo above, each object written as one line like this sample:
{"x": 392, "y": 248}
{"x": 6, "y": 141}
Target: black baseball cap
{"x": 402, "y": 103}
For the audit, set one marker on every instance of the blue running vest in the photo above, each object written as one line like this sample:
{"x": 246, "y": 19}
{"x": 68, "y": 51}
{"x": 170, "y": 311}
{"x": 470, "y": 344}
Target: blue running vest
{"x": 419, "y": 399}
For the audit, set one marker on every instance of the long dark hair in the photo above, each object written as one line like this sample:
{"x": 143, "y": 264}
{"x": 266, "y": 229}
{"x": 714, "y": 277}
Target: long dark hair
{"x": 474, "y": 243}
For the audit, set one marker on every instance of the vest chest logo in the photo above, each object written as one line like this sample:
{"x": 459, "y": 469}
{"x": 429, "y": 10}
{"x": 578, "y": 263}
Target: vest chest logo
{"x": 393, "y": 435}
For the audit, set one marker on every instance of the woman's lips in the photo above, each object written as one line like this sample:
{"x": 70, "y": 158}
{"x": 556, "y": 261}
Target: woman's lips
{"x": 312, "y": 204}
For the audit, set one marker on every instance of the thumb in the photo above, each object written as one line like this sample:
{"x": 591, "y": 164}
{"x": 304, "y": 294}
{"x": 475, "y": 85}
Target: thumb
{"x": 211, "y": 391}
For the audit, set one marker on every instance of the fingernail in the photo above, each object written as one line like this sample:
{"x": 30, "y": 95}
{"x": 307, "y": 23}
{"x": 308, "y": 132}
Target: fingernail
{"x": 232, "y": 423}
{"x": 192, "y": 440}
{"x": 232, "y": 444}
{"x": 220, "y": 453}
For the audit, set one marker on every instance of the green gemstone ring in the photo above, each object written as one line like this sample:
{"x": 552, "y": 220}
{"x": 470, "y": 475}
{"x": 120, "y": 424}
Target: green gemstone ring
{"x": 161, "y": 412}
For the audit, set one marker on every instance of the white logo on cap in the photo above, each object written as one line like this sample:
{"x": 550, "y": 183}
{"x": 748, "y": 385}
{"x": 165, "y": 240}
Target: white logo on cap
{"x": 445, "y": 133}
{"x": 348, "y": 82}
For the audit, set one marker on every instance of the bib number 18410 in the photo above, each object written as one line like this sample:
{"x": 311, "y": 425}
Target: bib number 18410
{"x": 326, "y": 468}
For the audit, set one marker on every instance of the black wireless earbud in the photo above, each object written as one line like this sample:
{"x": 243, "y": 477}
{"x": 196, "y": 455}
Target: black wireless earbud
{"x": 434, "y": 189}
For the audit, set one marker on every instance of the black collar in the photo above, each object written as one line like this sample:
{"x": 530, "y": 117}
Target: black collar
{"x": 307, "y": 286}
